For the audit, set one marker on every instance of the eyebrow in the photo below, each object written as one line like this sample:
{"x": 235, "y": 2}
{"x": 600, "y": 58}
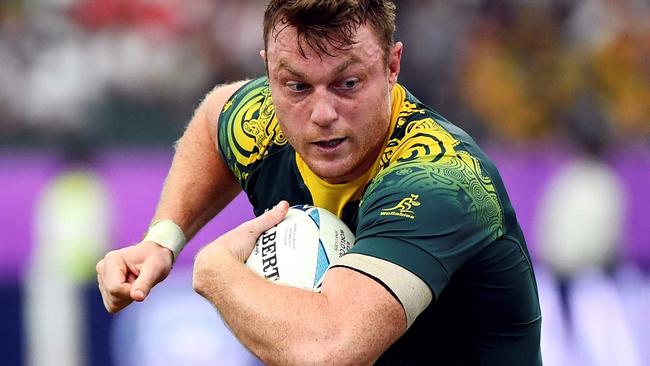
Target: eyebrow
{"x": 349, "y": 62}
{"x": 284, "y": 64}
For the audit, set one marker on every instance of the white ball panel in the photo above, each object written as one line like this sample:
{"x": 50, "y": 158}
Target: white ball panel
{"x": 289, "y": 253}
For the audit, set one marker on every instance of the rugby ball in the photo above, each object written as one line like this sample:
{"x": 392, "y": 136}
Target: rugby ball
{"x": 299, "y": 250}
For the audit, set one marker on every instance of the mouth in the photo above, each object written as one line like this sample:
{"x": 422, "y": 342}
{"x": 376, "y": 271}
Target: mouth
{"x": 329, "y": 144}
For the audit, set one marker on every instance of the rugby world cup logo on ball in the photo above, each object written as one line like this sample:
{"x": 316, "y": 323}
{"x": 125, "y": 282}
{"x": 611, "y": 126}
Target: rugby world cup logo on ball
{"x": 299, "y": 250}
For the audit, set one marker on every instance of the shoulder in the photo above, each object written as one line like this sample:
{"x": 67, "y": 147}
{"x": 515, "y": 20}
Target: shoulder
{"x": 249, "y": 107}
{"x": 450, "y": 192}
{"x": 418, "y": 132}
{"x": 248, "y": 129}
{"x": 217, "y": 98}
{"x": 207, "y": 113}
{"x": 429, "y": 218}
{"x": 431, "y": 158}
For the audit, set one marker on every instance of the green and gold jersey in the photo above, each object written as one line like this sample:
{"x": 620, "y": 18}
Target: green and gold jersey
{"x": 433, "y": 206}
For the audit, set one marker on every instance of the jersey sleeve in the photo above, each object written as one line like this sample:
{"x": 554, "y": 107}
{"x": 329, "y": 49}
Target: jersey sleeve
{"x": 429, "y": 217}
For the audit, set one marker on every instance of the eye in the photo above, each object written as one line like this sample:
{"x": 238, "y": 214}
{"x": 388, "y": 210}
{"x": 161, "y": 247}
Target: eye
{"x": 296, "y": 86}
{"x": 348, "y": 84}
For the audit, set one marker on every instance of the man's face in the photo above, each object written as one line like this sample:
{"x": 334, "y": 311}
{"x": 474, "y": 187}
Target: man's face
{"x": 334, "y": 110}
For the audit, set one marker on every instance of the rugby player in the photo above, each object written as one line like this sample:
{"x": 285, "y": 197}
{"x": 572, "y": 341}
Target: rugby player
{"x": 440, "y": 273}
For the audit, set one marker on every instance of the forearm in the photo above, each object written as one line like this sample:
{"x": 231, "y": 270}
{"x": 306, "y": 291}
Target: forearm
{"x": 281, "y": 325}
{"x": 352, "y": 321}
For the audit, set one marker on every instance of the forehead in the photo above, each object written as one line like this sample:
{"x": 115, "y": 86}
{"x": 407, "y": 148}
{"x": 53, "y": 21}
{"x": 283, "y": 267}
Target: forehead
{"x": 283, "y": 48}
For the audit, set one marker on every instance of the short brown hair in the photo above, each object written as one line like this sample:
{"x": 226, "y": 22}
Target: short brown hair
{"x": 326, "y": 24}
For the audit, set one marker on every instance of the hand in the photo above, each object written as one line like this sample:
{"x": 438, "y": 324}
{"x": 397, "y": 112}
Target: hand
{"x": 240, "y": 241}
{"x": 128, "y": 274}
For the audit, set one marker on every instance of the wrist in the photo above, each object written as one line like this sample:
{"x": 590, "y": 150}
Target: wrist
{"x": 150, "y": 245}
{"x": 167, "y": 234}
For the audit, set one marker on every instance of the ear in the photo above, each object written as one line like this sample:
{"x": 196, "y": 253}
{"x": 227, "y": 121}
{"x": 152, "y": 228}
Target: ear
{"x": 394, "y": 62}
{"x": 266, "y": 62}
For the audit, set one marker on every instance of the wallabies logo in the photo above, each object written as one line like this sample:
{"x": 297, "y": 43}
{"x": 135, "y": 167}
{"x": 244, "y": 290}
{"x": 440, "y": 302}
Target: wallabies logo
{"x": 404, "y": 208}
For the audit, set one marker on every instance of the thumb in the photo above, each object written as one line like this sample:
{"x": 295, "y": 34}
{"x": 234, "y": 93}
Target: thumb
{"x": 267, "y": 220}
{"x": 150, "y": 274}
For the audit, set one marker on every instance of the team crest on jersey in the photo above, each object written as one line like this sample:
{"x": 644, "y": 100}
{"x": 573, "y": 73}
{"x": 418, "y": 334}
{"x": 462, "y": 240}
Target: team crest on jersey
{"x": 404, "y": 208}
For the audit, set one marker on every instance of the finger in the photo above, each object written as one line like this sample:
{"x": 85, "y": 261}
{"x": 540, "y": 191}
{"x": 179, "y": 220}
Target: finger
{"x": 99, "y": 268}
{"x": 106, "y": 298}
{"x": 150, "y": 274}
{"x": 130, "y": 277}
{"x": 114, "y": 283}
{"x": 112, "y": 303}
{"x": 254, "y": 228}
{"x": 118, "y": 297}
{"x": 115, "y": 270}
{"x": 100, "y": 285}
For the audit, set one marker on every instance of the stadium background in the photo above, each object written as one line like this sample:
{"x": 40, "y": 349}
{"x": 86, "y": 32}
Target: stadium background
{"x": 93, "y": 94}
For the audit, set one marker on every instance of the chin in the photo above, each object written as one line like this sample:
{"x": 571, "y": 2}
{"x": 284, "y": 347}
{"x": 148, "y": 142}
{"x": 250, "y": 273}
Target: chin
{"x": 333, "y": 173}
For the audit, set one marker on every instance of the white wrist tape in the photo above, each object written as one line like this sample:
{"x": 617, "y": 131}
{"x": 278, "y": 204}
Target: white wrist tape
{"x": 168, "y": 234}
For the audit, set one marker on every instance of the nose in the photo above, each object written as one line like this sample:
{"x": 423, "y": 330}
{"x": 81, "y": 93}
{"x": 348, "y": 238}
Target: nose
{"x": 323, "y": 111}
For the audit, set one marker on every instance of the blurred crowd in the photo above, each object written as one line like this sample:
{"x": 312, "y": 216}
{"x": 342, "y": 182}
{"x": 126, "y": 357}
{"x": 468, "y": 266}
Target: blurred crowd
{"x": 510, "y": 70}
{"x": 95, "y": 73}
{"x": 103, "y": 66}
{"x": 520, "y": 70}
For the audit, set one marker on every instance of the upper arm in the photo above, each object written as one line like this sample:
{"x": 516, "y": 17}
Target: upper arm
{"x": 367, "y": 316}
{"x": 199, "y": 183}
{"x": 429, "y": 218}
{"x": 199, "y": 142}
